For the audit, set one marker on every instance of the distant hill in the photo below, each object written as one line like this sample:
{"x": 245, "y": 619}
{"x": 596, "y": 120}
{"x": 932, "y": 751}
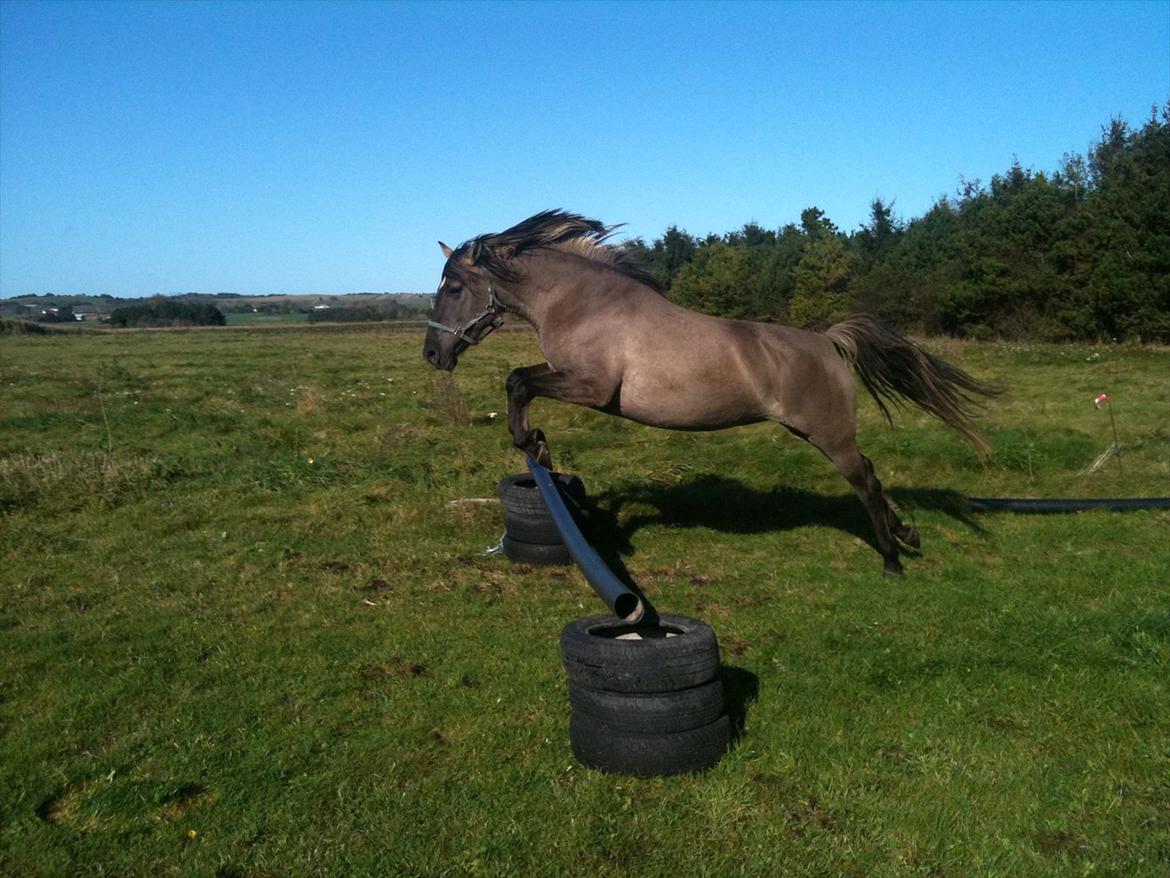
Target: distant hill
{"x": 99, "y": 307}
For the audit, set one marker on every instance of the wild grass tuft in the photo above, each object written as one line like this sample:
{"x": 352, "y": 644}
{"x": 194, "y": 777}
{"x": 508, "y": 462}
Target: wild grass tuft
{"x": 446, "y": 400}
{"x": 60, "y": 481}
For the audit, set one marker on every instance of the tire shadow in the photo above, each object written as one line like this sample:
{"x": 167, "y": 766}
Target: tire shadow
{"x": 741, "y": 688}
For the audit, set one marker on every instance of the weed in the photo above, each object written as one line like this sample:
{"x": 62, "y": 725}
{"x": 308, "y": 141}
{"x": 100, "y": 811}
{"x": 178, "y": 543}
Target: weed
{"x": 56, "y": 480}
{"x": 308, "y": 402}
{"x": 446, "y": 401}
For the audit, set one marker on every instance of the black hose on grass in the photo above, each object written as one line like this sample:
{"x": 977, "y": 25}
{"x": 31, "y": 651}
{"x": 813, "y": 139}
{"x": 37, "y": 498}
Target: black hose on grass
{"x": 1048, "y": 507}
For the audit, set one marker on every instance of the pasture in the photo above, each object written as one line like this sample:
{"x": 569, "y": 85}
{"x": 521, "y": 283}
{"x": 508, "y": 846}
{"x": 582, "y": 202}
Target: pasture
{"x": 245, "y": 628}
{"x": 250, "y": 318}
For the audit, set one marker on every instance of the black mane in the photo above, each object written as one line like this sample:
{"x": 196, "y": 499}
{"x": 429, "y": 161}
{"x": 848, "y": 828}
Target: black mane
{"x": 558, "y": 230}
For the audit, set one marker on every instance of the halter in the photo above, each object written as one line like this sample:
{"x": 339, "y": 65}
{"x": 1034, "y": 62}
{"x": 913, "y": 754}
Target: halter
{"x": 491, "y": 317}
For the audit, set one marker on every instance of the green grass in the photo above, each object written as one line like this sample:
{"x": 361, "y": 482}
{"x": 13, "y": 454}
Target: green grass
{"x": 243, "y": 632}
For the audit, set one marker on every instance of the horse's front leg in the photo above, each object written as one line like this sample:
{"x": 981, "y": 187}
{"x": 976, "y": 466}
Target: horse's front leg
{"x": 519, "y": 388}
{"x": 527, "y": 383}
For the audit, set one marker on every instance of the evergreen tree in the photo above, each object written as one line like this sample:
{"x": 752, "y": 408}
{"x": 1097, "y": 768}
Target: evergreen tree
{"x": 1080, "y": 253}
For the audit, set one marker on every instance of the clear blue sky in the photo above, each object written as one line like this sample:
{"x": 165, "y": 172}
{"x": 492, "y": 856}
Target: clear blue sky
{"x": 263, "y": 147}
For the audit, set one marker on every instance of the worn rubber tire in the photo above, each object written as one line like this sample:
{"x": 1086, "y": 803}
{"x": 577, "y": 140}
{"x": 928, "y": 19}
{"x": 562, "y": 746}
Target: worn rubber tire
{"x": 526, "y": 528}
{"x": 536, "y": 553}
{"x": 605, "y": 748}
{"x": 652, "y": 713}
{"x": 518, "y": 493}
{"x": 540, "y": 528}
{"x": 593, "y": 657}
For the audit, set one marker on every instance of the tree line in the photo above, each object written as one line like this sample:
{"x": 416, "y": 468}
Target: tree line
{"x": 162, "y": 311}
{"x": 167, "y": 312}
{"x": 371, "y": 312}
{"x": 1082, "y": 252}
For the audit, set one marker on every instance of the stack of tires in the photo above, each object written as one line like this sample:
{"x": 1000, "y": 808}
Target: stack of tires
{"x": 530, "y": 535}
{"x": 646, "y": 699}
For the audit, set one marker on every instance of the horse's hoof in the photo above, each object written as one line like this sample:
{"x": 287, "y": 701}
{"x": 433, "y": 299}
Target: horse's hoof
{"x": 894, "y": 568}
{"x": 910, "y": 537}
{"x": 543, "y": 456}
{"x": 537, "y": 446}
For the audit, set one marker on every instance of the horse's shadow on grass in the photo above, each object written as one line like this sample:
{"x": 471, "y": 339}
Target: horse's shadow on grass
{"x": 729, "y": 506}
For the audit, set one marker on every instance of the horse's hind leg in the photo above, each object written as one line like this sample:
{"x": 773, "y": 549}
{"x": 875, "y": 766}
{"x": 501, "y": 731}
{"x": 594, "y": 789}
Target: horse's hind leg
{"x": 858, "y": 471}
{"x": 908, "y": 534}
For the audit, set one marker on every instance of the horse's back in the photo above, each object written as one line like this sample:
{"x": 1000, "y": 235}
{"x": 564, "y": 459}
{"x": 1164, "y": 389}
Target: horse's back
{"x": 685, "y": 370}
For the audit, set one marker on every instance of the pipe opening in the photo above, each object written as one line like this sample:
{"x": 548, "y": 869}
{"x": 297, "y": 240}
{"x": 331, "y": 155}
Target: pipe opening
{"x": 628, "y": 607}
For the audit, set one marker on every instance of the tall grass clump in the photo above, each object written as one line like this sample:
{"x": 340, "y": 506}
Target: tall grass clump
{"x": 56, "y": 480}
{"x": 446, "y": 400}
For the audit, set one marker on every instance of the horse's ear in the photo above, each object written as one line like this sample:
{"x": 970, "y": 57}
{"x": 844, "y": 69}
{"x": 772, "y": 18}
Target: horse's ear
{"x": 447, "y": 251}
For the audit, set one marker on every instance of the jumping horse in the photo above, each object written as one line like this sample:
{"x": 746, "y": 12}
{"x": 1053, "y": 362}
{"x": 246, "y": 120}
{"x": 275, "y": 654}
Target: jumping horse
{"x": 614, "y": 342}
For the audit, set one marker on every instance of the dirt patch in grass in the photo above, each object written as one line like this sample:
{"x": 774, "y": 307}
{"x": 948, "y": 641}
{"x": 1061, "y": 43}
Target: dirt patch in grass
{"x": 394, "y": 667}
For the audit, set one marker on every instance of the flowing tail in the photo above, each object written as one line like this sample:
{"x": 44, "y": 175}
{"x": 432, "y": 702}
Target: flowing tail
{"x": 894, "y": 368}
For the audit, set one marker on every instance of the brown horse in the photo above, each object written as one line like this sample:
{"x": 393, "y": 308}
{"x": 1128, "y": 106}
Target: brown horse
{"x": 612, "y": 341}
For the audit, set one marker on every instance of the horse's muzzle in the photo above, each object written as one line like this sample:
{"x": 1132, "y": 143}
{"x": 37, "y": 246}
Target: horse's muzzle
{"x": 442, "y": 352}
{"x": 447, "y": 362}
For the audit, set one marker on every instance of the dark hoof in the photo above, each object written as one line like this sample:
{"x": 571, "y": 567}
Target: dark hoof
{"x": 537, "y": 446}
{"x": 894, "y": 568}
{"x": 909, "y": 535}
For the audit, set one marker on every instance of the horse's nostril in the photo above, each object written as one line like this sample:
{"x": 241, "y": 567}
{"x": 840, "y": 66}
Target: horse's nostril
{"x": 432, "y": 356}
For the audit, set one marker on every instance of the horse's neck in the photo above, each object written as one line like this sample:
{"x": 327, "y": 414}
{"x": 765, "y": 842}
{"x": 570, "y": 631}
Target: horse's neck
{"x": 556, "y": 283}
{"x": 524, "y": 299}
{"x": 538, "y": 295}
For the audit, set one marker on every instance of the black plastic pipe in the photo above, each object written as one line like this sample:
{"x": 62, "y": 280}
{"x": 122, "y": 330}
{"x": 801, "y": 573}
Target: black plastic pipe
{"x": 1046, "y": 507}
{"x": 622, "y": 602}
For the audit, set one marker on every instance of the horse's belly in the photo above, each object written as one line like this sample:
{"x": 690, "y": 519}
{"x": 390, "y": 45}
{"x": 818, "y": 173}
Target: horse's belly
{"x": 687, "y": 408}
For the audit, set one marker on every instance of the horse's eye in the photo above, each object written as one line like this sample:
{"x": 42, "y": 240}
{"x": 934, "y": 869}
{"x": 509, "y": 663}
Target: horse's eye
{"x": 454, "y": 290}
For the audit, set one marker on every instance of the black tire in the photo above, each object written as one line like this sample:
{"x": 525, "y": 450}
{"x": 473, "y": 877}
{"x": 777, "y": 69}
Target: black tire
{"x": 540, "y": 528}
{"x": 656, "y": 713}
{"x": 536, "y": 553}
{"x": 677, "y": 653}
{"x": 532, "y": 528}
{"x": 518, "y": 493}
{"x": 605, "y": 748}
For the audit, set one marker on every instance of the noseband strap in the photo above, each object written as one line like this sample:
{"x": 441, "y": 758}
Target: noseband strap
{"x": 480, "y": 326}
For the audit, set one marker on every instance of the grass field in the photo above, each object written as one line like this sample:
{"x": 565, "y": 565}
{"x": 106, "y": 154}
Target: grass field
{"x": 248, "y": 318}
{"x": 245, "y": 632}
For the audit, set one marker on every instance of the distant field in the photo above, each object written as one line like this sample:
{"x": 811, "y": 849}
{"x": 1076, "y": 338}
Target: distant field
{"x": 249, "y": 318}
{"x": 244, "y": 631}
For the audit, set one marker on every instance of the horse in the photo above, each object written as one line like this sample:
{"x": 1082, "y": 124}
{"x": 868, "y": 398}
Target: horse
{"x": 613, "y": 341}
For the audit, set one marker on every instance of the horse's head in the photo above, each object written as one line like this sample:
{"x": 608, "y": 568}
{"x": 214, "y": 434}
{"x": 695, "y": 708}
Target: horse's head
{"x": 466, "y": 306}
{"x": 466, "y": 310}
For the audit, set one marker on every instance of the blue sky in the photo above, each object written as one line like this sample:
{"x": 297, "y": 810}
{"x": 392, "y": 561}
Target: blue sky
{"x": 267, "y": 147}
